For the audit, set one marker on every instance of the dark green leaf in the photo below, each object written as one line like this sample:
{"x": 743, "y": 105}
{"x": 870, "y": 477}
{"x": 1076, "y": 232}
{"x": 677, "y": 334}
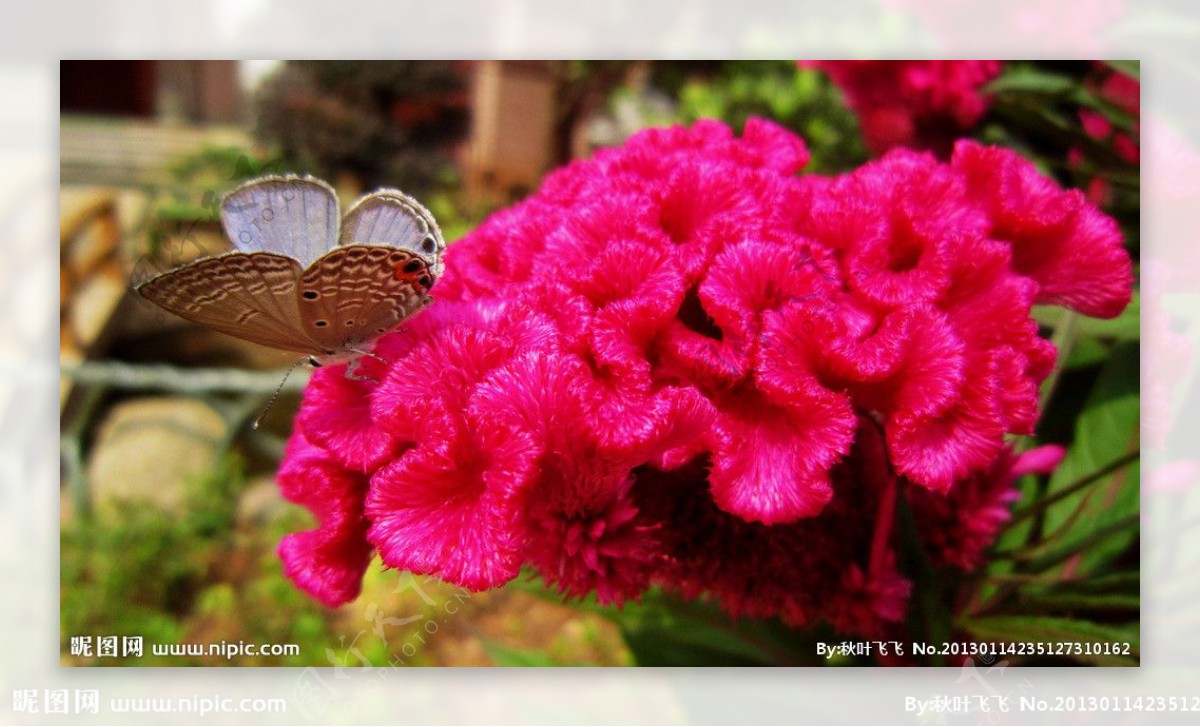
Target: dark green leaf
{"x": 1042, "y": 504}
{"x": 1107, "y": 430}
{"x": 1071, "y": 602}
{"x": 928, "y": 616}
{"x": 1028, "y": 80}
{"x": 1086, "y": 352}
{"x": 662, "y": 631}
{"x": 1049, "y": 630}
{"x": 1125, "y": 327}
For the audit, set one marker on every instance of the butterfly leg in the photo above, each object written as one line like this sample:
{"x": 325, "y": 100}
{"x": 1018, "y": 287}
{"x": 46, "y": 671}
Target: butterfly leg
{"x": 352, "y": 372}
{"x": 353, "y": 366}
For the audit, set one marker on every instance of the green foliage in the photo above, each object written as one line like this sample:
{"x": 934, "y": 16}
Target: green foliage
{"x": 802, "y": 100}
{"x": 223, "y": 165}
{"x": 136, "y": 569}
{"x": 193, "y": 197}
{"x": 200, "y": 178}
{"x": 454, "y": 221}
{"x": 1107, "y": 429}
{"x": 174, "y": 577}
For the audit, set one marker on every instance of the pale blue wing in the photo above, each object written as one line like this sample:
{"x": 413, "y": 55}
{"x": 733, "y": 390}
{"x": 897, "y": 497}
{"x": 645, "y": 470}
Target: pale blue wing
{"x": 292, "y": 216}
{"x": 390, "y": 217}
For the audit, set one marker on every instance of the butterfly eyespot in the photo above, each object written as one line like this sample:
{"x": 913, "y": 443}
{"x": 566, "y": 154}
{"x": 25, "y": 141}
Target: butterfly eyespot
{"x": 350, "y": 324}
{"x": 425, "y": 281}
{"x": 428, "y": 244}
{"x": 413, "y": 266}
{"x": 381, "y": 330}
{"x": 310, "y": 295}
{"x": 320, "y": 324}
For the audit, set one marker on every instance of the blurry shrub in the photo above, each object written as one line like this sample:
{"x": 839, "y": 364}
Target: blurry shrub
{"x": 185, "y": 577}
{"x": 385, "y": 122}
{"x": 804, "y": 101}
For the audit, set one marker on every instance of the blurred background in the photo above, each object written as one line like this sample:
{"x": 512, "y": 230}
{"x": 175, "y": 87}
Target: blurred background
{"x": 170, "y": 514}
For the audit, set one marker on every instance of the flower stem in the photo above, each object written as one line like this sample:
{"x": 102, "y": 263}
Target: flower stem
{"x": 884, "y": 519}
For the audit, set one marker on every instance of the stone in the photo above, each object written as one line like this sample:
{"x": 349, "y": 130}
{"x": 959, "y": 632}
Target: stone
{"x": 261, "y": 502}
{"x": 147, "y": 449}
{"x": 93, "y": 306}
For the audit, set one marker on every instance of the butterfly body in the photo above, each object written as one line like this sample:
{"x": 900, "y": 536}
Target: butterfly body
{"x": 301, "y": 279}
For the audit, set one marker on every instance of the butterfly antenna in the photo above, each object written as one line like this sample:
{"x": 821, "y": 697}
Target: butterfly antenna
{"x": 271, "y": 401}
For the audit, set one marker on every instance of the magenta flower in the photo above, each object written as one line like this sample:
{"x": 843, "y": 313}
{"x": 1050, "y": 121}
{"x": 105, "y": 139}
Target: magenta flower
{"x": 915, "y": 104}
{"x": 960, "y": 527}
{"x": 679, "y": 364}
{"x": 1124, "y": 93}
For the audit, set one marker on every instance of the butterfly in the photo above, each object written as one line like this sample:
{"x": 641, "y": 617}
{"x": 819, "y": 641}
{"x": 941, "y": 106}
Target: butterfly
{"x": 303, "y": 278}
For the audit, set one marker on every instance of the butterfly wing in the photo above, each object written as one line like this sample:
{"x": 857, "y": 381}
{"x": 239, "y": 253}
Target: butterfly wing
{"x": 355, "y": 293}
{"x": 249, "y": 296}
{"x": 290, "y": 215}
{"x": 390, "y": 217}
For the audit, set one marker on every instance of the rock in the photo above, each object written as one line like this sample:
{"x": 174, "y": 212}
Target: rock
{"x": 261, "y": 502}
{"x": 66, "y": 507}
{"x": 148, "y": 448}
{"x": 88, "y": 229}
{"x": 93, "y": 305}
{"x": 93, "y": 244}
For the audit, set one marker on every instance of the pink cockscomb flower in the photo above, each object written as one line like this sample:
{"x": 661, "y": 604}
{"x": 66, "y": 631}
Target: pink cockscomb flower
{"x": 1121, "y": 92}
{"x": 916, "y": 104}
{"x": 959, "y": 528}
{"x": 329, "y": 560}
{"x": 682, "y": 365}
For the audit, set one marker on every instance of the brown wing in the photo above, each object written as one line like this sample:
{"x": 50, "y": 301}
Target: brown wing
{"x": 354, "y": 293}
{"x": 248, "y": 295}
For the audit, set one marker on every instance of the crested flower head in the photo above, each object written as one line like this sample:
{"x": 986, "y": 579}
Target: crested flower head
{"x": 915, "y": 103}
{"x": 681, "y": 364}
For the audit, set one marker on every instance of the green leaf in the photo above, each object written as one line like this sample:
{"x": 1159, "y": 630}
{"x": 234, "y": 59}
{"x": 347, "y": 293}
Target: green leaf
{"x": 1014, "y": 535}
{"x": 1116, "y": 596}
{"x": 929, "y": 618}
{"x": 1106, "y": 430}
{"x": 1086, "y": 352}
{"x": 1051, "y": 630}
{"x": 1044, "y": 503}
{"x": 502, "y": 655}
{"x": 1074, "y": 603}
{"x": 663, "y": 631}
{"x": 1025, "y": 79}
{"x": 1125, "y": 327}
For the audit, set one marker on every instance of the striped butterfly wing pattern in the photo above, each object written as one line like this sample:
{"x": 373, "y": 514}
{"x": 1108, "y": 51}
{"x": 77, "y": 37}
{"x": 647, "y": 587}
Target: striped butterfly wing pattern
{"x": 250, "y": 296}
{"x": 303, "y": 280}
{"x": 356, "y": 293}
